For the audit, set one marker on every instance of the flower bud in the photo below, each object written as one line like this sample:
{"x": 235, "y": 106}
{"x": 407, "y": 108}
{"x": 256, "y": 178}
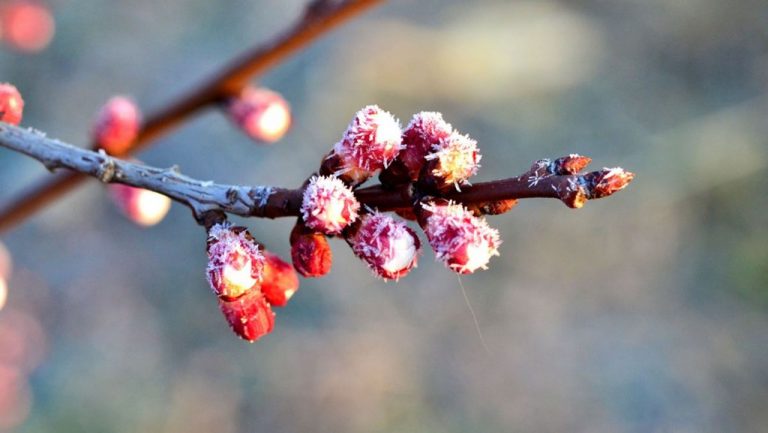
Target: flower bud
{"x": 328, "y": 205}
{"x": 235, "y": 264}
{"x": 452, "y": 160}
{"x": 369, "y": 144}
{"x": 425, "y": 130}
{"x": 607, "y": 181}
{"x": 26, "y": 25}
{"x": 11, "y": 104}
{"x": 310, "y": 252}
{"x": 463, "y": 242}
{"x": 117, "y": 125}
{"x": 249, "y": 316}
{"x": 389, "y": 247}
{"x": 280, "y": 281}
{"x": 570, "y": 164}
{"x": 261, "y": 114}
{"x": 142, "y": 206}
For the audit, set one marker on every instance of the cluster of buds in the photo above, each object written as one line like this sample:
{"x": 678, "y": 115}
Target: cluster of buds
{"x": 11, "y": 104}
{"x": 26, "y": 26}
{"x": 431, "y": 156}
{"x": 262, "y": 114}
{"x": 247, "y": 280}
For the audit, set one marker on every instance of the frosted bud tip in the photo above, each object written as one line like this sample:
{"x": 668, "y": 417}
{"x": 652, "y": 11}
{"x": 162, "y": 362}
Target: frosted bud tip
{"x": 389, "y": 247}
{"x": 235, "y": 264}
{"x": 463, "y": 242}
{"x": 370, "y": 142}
{"x": 328, "y": 205}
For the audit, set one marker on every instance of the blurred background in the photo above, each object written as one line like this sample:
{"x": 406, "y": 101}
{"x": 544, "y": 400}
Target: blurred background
{"x": 643, "y": 312}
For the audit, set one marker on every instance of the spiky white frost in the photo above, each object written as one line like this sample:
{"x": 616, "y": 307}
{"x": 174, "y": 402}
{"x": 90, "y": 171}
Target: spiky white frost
{"x": 423, "y": 131}
{"x": 235, "y": 264}
{"x": 461, "y": 241}
{"x": 372, "y": 140}
{"x": 457, "y": 159}
{"x": 328, "y": 205}
{"x": 387, "y": 246}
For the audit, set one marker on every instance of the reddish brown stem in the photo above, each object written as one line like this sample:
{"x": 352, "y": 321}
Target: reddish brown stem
{"x": 320, "y": 17}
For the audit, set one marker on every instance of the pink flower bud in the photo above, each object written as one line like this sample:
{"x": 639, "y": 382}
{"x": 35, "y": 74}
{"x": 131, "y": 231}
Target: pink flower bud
{"x": 607, "y": 181}
{"x": 117, "y": 125}
{"x": 328, "y": 205}
{"x": 235, "y": 264}
{"x": 425, "y": 130}
{"x": 463, "y": 242}
{"x": 311, "y": 255}
{"x": 280, "y": 281}
{"x": 249, "y": 316}
{"x": 389, "y": 247}
{"x": 262, "y": 114}
{"x": 142, "y": 206}
{"x": 370, "y": 142}
{"x": 11, "y": 104}
{"x": 26, "y": 25}
{"x": 453, "y": 160}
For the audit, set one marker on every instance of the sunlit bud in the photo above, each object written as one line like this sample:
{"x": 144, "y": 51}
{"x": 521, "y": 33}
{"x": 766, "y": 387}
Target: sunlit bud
{"x": 262, "y": 114}
{"x": 328, "y": 205}
{"x": 144, "y": 207}
{"x": 26, "y": 25}
{"x": 310, "y": 252}
{"x": 3, "y": 292}
{"x": 280, "y": 281}
{"x": 11, "y": 104}
{"x": 370, "y": 142}
{"x": 570, "y": 164}
{"x": 117, "y": 125}
{"x": 462, "y": 241}
{"x": 249, "y": 316}
{"x": 389, "y": 247}
{"x": 453, "y": 160}
{"x": 607, "y": 181}
{"x": 235, "y": 264}
{"x": 425, "y": 130}
{"x": 5, "y": 262}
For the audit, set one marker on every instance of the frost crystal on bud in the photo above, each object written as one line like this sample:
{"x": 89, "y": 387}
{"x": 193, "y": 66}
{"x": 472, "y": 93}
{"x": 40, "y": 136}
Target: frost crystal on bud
{"x": 262, "y": 114}
{"x": 249, "y": 316}
{"x": 370, "y": 142}
{"x": 425, "y": 130}
{"x": 235, "y": 264}
{"x": 454, "y": 159}
{"x": 142, "y": 206}
{"x": 117, "y": 125}
{"x": 280, "y": 281}
{"x": 463, "y": 242}
{"x": 310, "y": 253}
{"x": 607, "y": 181}
{"x": 328, "y": 205}
{"x": 11, "y": 104}
{"x": 389, "y": 247}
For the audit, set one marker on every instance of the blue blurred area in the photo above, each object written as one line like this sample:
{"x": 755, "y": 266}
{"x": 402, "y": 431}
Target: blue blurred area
{"x": 643, "y": 312}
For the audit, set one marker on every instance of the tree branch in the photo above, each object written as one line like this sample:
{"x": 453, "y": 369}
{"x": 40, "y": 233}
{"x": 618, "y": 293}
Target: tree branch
{"x": 320, "y": 17}
{"x": 204, "y": 197}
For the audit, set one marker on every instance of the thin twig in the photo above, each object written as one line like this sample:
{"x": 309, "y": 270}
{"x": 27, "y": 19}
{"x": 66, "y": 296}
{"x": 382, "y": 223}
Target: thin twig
{"x": 266, "y": 201}
{"x": 320, "y": 17}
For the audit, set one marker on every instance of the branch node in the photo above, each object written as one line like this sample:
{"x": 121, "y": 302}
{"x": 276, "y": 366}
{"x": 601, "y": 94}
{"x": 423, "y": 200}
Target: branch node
{"x": 106, "y": 170}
